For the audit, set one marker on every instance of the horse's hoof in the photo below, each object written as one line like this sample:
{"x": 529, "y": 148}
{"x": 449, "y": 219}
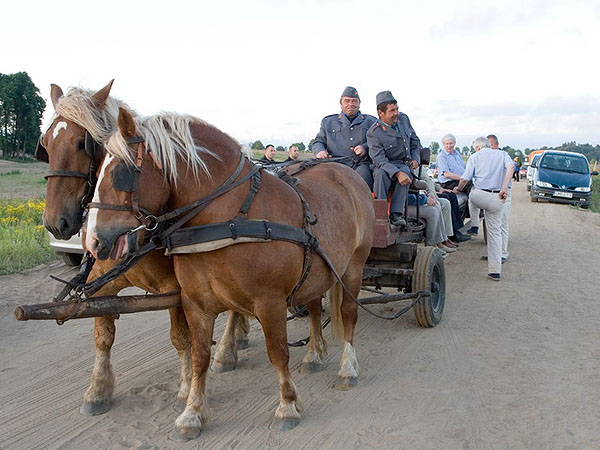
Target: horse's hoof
{"x": 220, "y": 367}
{"x": 185, "y": 434}
{"x": 179, "y": 405}
{"x": 346, "y": 383}
{"x": 95, "y": 408}
{"x": 241, "y": 344}
{"x": 311, "y": 367}
{"x": 289, "y": 424}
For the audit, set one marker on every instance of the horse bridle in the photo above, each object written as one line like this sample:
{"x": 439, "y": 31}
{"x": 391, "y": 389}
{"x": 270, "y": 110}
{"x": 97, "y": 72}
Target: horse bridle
{"x": 91, "y": 149}
{"x": 148, "y": 220}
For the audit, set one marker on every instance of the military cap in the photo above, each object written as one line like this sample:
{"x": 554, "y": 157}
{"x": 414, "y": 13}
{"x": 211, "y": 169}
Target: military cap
{"x": 350, "y": 92}
{"x": 384, "y": 96}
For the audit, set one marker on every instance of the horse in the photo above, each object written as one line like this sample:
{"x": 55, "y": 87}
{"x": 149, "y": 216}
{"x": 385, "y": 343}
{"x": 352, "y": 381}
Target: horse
{"x": 72, "y": 146}
{"x": 184, "y": 164}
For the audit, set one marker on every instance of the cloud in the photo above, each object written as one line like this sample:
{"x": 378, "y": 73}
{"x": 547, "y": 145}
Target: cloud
{"x": 550, "y": 121}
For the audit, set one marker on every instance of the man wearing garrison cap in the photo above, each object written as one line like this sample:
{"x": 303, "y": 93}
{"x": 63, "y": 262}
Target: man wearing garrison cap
{"x": 345, "y": 135}
{"x": 395, "y": 149}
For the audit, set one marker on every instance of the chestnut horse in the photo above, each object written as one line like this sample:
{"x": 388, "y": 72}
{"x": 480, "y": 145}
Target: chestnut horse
{"x": 72, "y": 146}
{"x": 182, "y": 160}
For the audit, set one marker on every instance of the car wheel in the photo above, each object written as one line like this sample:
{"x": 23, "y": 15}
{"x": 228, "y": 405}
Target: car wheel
{"x": 71, "y": 259}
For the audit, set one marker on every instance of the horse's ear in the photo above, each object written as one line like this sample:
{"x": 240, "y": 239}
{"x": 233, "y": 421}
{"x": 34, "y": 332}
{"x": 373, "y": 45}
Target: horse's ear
{"x": 126, "y": 123}
{"x": 100, "y": 97}
{"x": 55, "y": 94}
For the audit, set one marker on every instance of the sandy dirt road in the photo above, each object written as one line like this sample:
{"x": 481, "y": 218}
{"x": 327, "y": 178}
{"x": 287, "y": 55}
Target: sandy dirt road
{"x": 512, "y": 365}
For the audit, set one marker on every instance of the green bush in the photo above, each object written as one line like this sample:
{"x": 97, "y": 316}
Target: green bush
{"x": 23, "y": 239}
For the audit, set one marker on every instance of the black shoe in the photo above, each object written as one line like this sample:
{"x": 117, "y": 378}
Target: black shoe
{"x": 397, "y": 219}
{"x": 494, "y": 276}
{"x": 473, "y": 230}
{"x": 460, "y": 237}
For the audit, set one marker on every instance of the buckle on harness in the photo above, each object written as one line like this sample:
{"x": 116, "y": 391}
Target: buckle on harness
{"x": 233, "y": 230}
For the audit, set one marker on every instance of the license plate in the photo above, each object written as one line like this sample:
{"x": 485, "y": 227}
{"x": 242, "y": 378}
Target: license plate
{"x": 563, "y": 194}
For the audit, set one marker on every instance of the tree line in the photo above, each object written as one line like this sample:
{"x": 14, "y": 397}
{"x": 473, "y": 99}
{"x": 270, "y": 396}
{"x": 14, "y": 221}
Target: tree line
{"x": 21, "y": 109}
{"x": 590, "y": 151}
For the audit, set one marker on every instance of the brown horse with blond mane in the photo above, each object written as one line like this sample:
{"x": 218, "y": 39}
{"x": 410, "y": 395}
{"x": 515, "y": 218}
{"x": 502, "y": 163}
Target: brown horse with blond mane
{"x": 181, "y": 160}
{"x": 72, "y": 146}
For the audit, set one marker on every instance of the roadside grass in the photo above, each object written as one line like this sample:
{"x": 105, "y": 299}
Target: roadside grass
{"x": 24, "y": 241}
{"x": 19, "y": 185}
{"x": 595, "y": 201}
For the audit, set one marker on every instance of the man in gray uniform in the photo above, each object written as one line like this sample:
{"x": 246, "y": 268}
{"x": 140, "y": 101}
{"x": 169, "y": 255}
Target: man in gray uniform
{"x": 345, "y": 134}
{"x": 395, "y": 149}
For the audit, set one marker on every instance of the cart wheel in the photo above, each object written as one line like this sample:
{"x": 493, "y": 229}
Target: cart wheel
{"x": 71, "y": 259}
{"x": 429, "y": 275}
{"x": 528, "y": 188}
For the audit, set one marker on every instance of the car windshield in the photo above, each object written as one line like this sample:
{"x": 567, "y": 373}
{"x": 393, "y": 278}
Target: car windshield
{"x": 565, "y": 163}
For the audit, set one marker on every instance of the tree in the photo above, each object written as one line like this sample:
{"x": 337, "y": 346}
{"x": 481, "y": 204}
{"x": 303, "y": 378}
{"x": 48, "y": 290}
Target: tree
{"x": 466, "y": 150}
{"x": 257, "y": 146}
{"x": 280, "y": 148}
{"x": 300, "y": 145}
{"x": 434, "y": 147}
{"x": 21, "y": 109}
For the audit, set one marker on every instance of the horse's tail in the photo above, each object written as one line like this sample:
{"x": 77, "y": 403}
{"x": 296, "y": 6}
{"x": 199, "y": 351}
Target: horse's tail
{"x": 335, "y": 295}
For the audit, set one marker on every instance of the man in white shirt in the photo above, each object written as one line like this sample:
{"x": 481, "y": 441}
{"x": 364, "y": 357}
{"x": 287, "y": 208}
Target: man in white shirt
{"x": 491, "y": 172}
{"x": 494, "y": 145}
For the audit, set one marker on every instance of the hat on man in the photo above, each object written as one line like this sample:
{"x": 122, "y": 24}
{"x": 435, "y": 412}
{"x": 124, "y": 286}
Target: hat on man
{"x": 350, "y": 92}
{"x": 384, "y": 96}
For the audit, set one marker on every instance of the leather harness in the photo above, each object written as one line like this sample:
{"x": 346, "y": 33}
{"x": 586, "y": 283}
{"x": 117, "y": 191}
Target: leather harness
{"x": 174, "y": 236}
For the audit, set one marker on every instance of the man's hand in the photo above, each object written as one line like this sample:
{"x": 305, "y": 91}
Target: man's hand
{"x": 402, "y": 178}
{"x": 414, "y": 165}
{"x": 359, "y": 150}
{"x": 503, "y": 194}
{"x": 323, "y": 154}
{"x": 431, "y": 200}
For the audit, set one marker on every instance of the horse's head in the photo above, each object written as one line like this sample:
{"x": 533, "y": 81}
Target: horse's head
{"x": 73, "y": 156}
{"x": 130, "y": 191}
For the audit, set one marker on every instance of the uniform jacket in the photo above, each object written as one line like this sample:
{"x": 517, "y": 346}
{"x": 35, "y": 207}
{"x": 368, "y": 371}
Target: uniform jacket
{"x": 389, "y": 149}
{"x": 337, "y": 134}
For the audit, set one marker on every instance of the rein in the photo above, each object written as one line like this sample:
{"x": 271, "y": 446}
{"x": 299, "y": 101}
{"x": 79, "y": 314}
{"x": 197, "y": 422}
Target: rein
{"x": 238, "y": 227}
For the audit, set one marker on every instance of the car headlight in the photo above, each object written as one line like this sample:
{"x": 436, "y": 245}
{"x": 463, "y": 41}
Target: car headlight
{"x": 583, "y": 189}
{"x": 543, "y": 184}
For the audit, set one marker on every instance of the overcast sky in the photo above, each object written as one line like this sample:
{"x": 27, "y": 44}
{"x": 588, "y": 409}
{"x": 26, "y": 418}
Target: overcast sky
{"x": 525, "y": 70}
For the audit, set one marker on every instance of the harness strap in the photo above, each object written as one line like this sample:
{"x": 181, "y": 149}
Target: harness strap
{"x": 239, "y": 227}
{"x": 66, "y": 173}
{"x": 254, "y": 186}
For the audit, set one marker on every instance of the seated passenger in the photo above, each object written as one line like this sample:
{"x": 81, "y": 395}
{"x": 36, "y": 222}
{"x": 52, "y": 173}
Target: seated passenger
{"x": 269, "y": 156}
{"x": 450, "y": 164}
{"x": 449, "y": 209}
{"x": 345, "y": 135}
{"x": 435, "y": 231}
{"x": 293, "y": 153}
{"x": 395, "y": 149}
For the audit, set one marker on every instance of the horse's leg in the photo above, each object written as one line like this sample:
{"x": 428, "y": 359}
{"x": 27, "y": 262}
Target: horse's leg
{"x": 317, "y": 348}
{"x": 274, "y": 324}
{"x": 180, "y": 338}
{"x": 348, "y": 374}
{"x": 189, "y": 423}
{"x": 98, "y": 397}
{"x": 226, "y": 354}
{"x": 242, "y": 329}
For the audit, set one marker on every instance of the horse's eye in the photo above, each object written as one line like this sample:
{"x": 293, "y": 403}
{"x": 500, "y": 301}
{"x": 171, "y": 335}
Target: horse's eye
{"x": 81, "y": 144}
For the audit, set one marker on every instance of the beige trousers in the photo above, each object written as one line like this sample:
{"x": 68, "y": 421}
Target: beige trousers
{"x": 493, "y": 207}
